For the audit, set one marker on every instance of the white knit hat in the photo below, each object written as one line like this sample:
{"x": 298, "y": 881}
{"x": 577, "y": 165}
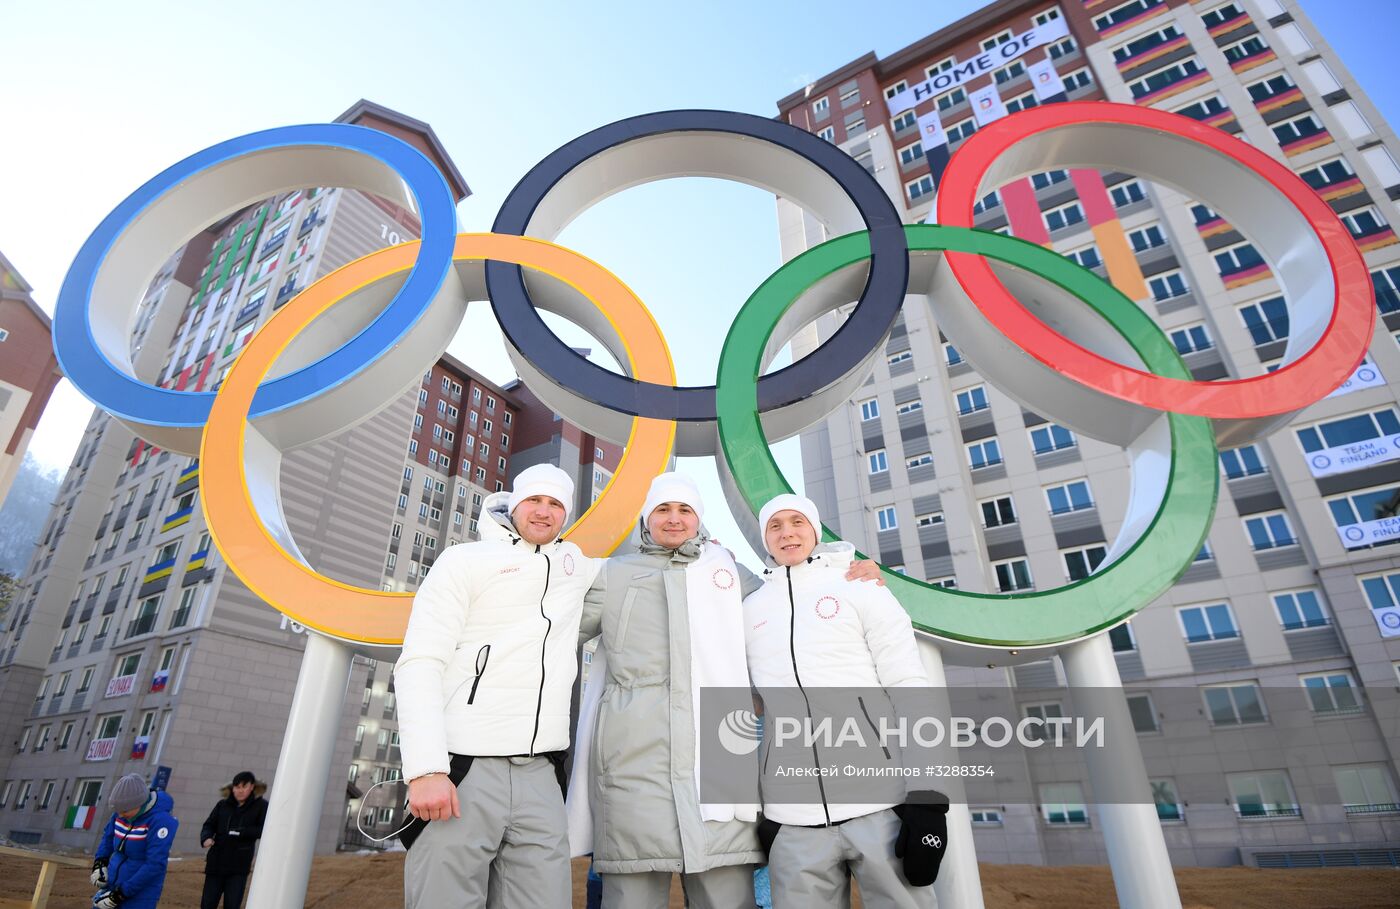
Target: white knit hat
{"x": 791, "y": 502}
{"x": 542, "y": 480}
{"x": 673, "y": 487}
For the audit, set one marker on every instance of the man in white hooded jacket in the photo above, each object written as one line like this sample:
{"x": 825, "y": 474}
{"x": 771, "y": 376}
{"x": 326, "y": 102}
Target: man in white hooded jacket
{"x": 807, "y": 628}
{"x": 483, "y": 688}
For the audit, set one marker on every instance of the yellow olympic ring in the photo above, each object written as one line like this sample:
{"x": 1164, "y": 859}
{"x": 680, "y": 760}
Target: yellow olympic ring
{"x": 374, "y": 616}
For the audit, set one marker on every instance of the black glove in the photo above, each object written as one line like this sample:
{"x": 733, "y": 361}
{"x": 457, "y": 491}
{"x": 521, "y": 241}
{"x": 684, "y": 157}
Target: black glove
{"x": 108, "y": 899}
{"x": 767, "y": 832}
{"x": 99, "y": 873}
{"x": 923, "y": 836}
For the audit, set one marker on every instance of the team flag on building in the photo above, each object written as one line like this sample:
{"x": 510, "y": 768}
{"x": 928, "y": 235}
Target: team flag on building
{"x": 79, "y": 817}
{"x": 159, "y": 680}
{"x": 139, "y": 746}
{"x": 987, "y": 105}
{"x": 1049, "y": 87}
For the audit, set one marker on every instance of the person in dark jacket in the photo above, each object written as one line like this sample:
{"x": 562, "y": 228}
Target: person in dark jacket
{"x": 230, "y": 834}
{"x": 129, "y": 867}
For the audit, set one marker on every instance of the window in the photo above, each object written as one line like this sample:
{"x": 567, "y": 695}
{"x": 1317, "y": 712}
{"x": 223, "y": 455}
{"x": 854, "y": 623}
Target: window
{"x": 1331, "y": 692}
{"x": 1011, "y": 71}
{"x": 902, "y": 356}
{"x": 1234, "y": 705}
{"x": 821, "y": 107}
{"x": 984, "y": 454}
{"x": 918, "y": 460}
{"x": 961, "y": 130}
{"x": 1013, "y": 575}
{"x": 1126, "y": 193}
{"x": 1297, "y": 129}
{"x": 1264, "y": 794}
{"x": 62, "y": 688}
{"x": 1143, "y": 714}
{"x": 1167, "y": 285}
{"x": 1362, "y": 507}
{"x": 951, "y": 355}
{"x": 1240, "y": 50}
{"x": 486, "y": 427}
{"x": 1145, "y": 43}
{"x": 971, "y": 400}
{"x": 1064, "y": 216}
{"x": 886, "y": 519}
{"x": 1204, "y": 109}
{"x": 904, "y": 121}
{"x": 1300, "y": 609}
{"x": 998, "y": 512}
{"x": 1269, "y": 531}
{"x": 1062, "y": 48}
{"x": 1365, "y": 789}
{"x": 1120, "y": 637}
{"x": 1080, "y": 563}
{"x": 109, "y": 726}
{"x": 1267, "y": 320}
{"x": 1221, "y": 14}
{"x": 1078, "y": 79}
{"x": 45, "y": 733}
{"x": 919, "y": 188}
{"x": 929, "y": 519}
{"x": 1048, "y": 178}
{"x": 869, "y": 409}
{"x": 911, "y": 153}
{"x": 1063, "y": 803}
{"x": 65, "y": 737}
{"x": 1328, "y": 173}
{"x": 951, "y": 99}
{"x": 1165, "y": 77}
{"x": 1386, "y": 281}
{"x": 986, "y": 203}
{"x": 828, "y": 133}
{"x": 1049, "y": 710}
{"x": 986, "y": 817}
{"x": 1244, "y": 461}
{"x": 1068, "y": 497}
{"x": 993, "y": 41}
{"x": 1191, "y": 339}
{"x": 1363, "y": 222}
{"x": 1207, "y": 623}
{"x": 1145, "y": 238}
{"x": 1268, "y": 88}
{"x": 1087, "y": 256}
{"x": 877, "y": 462}
{"x": 892, "y": 90}
{"x": 85, "y": 680}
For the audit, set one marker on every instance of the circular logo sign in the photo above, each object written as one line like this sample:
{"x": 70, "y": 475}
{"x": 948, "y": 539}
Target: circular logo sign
{"x": 828, "y": 607}
{"x": 723, "y": 578}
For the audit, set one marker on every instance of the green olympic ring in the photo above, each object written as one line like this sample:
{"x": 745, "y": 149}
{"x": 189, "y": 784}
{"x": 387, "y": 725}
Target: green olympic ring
{"x": 1119, "y": 587}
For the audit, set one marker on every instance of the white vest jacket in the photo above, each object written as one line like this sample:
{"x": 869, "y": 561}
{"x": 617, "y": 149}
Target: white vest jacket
{"x": 808, "y": 627}
{"x": 489, "y": 658}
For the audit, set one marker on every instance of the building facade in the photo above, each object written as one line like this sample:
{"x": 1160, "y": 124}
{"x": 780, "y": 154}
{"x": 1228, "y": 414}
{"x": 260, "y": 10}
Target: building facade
{"x": 953, "y": 482}
{"x": 28, "y": 370}
{"x": 132, "y": 646}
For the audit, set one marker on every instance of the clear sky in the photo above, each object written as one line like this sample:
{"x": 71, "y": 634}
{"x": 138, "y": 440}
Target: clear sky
{"x": 99, "y": 97}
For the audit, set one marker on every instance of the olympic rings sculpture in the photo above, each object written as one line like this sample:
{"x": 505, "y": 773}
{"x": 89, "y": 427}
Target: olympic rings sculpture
{"x": 1056, "y": 337}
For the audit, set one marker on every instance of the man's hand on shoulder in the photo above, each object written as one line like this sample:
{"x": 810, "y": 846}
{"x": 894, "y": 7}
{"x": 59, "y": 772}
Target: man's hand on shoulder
{"x": 865, "y": 570}
{"x": 433, "y": 798}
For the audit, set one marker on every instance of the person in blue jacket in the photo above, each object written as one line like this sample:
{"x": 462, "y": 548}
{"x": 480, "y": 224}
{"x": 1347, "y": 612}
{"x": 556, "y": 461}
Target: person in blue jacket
{"x": 129, "y": 867}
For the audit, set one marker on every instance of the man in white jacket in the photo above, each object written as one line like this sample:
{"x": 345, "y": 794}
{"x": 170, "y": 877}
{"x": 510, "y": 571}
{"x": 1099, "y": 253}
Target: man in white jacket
{"x": 483, "y": 688}
{"x": 808, "y": 628}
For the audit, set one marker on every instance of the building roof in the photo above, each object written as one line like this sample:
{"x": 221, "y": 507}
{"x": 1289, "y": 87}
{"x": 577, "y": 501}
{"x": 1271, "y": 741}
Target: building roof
{"x": 955, "y": 33}
{"x": 386, "y": 120}
{"x": 14, "y": 287}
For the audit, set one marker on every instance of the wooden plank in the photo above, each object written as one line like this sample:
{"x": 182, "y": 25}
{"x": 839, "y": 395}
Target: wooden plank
{"x": 47, "y": 872}
{"x": 69, "y": 860}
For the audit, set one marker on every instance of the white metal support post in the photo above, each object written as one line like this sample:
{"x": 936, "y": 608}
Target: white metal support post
{"x": 303, "y": 773}
{"x": 1132, "y": 833}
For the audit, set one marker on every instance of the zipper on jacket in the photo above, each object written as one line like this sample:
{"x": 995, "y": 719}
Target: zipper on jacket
{"x": 483, "y": 656}
{"x": 792, "y": 650}
{"x": 861, "y": 702}
{"x": 544, "y": 643}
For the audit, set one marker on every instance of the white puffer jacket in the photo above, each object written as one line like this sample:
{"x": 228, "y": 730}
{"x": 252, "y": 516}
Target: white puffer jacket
{"x": 810, "y": 628}
{"x": 489, "y": 658}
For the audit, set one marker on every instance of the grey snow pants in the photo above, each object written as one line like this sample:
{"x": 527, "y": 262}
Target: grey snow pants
{"x": 730, "y": 887}
{"x": 807, "y": 866}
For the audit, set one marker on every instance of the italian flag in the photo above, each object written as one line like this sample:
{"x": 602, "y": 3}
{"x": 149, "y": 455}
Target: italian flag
{"x": 79, "y": 817}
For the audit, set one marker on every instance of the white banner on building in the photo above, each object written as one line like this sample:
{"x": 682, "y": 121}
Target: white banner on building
{"x": 121, "y": 685}
{"x": 1369, "y": 533}
{"x": 1365, "y": 376}
{"x": 1388, "y": 621}
{"x": 101, "y": 750}
{"x": 1045, "y": 80}
{"x": 983, "y": 63}
{"x": 1355, "y": 456}
{"x": 987, "y": 105}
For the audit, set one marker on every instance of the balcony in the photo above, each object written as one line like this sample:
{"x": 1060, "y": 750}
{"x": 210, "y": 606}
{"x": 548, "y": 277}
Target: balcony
{"x": 273, "y": 245}
{"x": 285, "y": 293}
{"x": 141, "y": 625}
{"x": 307, "y": 224}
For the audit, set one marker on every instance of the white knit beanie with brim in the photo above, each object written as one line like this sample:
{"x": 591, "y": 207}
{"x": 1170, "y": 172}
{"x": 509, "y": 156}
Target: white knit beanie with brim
{"x": 791, "y": 502}
{"x": 542, "y": 480}
{"x": 673, "y": 487}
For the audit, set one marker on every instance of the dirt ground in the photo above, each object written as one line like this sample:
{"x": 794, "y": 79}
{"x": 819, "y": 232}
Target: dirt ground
{"x": 376, "y": 882}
